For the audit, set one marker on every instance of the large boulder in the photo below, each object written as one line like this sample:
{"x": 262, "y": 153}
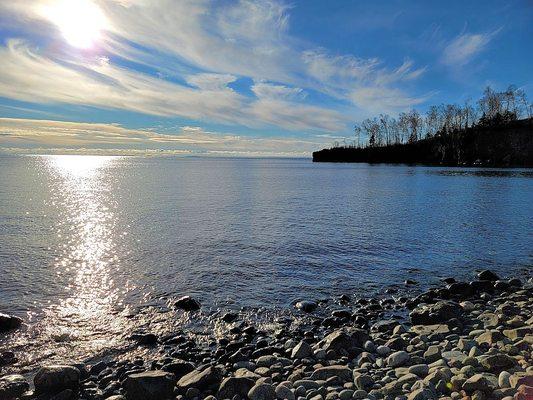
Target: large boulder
{"x": 12, "y": 386}
{"x": 9, "y": 322}
{"x": 150, "y": 385}
{"x": 56, "y": 378}
{"x": 232, "y": 386}
{"x": 200, "y": 379}
{"x": 187, "y": 303}
{"x": 438, "y": 313}
{"x": 345, "y": 341}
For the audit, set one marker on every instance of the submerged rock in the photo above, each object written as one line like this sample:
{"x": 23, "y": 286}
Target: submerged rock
{"x": 9, "y": 322}
{"x": 187, "y": 303}
{"x": 488, "y": 275}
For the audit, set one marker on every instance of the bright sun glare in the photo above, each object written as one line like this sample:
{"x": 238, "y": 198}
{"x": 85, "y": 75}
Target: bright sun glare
{"x": 80, "y": 21}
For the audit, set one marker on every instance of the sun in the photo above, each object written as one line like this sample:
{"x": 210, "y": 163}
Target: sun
{"x": 80, "y": 21}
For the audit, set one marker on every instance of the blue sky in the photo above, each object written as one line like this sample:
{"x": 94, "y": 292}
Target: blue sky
{"x": 242, "y": 77}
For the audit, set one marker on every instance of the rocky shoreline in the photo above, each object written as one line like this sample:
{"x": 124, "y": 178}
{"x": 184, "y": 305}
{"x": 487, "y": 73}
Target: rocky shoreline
{"x": 459, "y": 341}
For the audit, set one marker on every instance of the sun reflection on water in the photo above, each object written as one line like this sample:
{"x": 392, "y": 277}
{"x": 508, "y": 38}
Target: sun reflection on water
{"x": 83, "y": 192}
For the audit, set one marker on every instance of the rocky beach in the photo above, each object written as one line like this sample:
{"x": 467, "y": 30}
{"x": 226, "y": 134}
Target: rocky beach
{"x": 460, "y": 340}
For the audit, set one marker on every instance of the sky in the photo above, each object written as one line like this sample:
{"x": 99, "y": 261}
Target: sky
{"x": 242, "y": 78}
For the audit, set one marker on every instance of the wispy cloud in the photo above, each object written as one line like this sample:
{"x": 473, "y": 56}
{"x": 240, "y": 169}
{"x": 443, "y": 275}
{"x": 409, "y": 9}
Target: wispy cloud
{"x": 465, "y": 47}
{"x": 73, "y": 137}
{"x": 30, "y": 76}
{"x": 203, "y": 47}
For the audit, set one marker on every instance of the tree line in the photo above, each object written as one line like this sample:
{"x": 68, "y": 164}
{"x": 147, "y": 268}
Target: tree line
{"x": 493, "y": 108}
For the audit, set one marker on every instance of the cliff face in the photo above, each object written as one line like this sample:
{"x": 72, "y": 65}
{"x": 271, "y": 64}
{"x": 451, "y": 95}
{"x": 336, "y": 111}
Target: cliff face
{"x": 510, "y": 145}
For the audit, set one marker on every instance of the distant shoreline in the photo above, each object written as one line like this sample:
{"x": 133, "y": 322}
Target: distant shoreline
{"x": 502, "y": 146}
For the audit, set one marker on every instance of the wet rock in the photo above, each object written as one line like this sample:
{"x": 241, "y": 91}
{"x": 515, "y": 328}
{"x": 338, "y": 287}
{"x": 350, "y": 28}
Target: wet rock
{"x": 13, "y": 386}
{"x": 146, "y": 339}
{"x": 460, "y": 289}
{"x": 232, "y": 386}
{"x": 201, "y": 379}
{"x": 55, "y": 378}
{"x": 97, "y": 368}
{"x": 306, "y": 306}
{"x": 229, "y": 317}
{"x": 482, "y": 286}
{"x": 384, "y": 326}
{"x": 437, "y": 313}
{"x": 150, "y": 385}
{"x": 262, "y": 391}
{"x": 487, "y": 275}
{"x": 179, "y": 368}
{"x": 187, "y": 303}
{"x": 9, "y": 322}
{"x": 302, "y": 350}
{"x": 345, "y": 341}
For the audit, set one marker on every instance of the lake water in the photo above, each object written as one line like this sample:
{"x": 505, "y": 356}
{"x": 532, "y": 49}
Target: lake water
{"x": 88, "y": 241}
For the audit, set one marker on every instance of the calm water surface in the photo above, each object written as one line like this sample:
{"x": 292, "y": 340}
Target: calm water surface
{"x": 88, "y": 241}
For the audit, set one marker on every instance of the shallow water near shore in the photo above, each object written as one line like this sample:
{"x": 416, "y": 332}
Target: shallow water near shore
{"x": 93, "y": 248}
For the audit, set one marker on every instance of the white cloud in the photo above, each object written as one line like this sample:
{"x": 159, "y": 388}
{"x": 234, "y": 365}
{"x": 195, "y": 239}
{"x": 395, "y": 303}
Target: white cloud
{"x": 376, "y": 99}
{"x": 465, "y": 47}
{"x": 74, "y": 137}
{"x": 363, "y": 82}
{"x": 267, "y": 90}
{"x": 30, "y": 76}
